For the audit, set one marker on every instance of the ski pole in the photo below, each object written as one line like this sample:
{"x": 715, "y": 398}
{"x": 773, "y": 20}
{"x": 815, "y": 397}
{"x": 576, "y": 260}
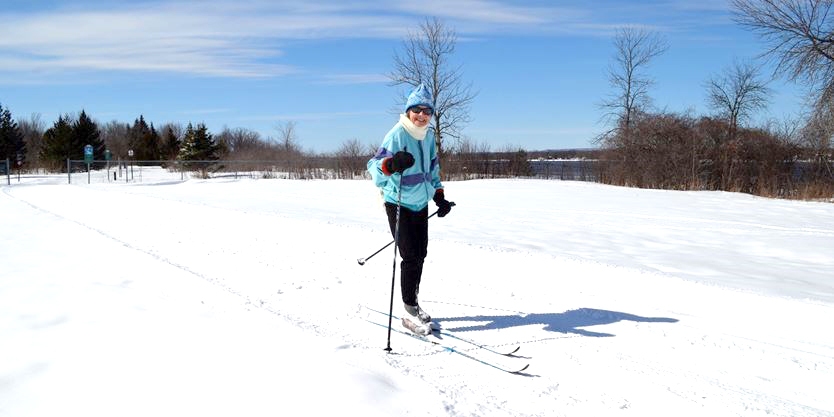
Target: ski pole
{"x": 394, "y": 269}
{"x": 363, "y": 260}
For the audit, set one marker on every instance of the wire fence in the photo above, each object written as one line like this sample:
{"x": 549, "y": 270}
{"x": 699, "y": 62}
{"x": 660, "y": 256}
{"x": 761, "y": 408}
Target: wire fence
{"x": 804, "y": 179}
{"x": 132, "y": 171}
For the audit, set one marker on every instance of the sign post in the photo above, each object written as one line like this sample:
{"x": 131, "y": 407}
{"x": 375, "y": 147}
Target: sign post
{"x": 4, "y": 169}
{"x": 107, "y": 157}
{"x": 19, "y": 163}
{"x": 129, "y": 173}
{"x": 88, "y": 158}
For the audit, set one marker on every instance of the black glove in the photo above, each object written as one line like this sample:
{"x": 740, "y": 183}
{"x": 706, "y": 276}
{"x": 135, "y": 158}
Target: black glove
{"x": 443, "y": 206}
{"x": 400, "y": 162}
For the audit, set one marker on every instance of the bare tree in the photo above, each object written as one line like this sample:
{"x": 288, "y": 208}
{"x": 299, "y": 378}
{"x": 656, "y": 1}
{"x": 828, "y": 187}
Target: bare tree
{"x": 32, "y": 131}
{"x": 634, "y": 50}
{"x": 241, "y": 142}
{"x": 289, "y": 150}
{"x": 817, "y": 134}
{"x": 469, "y": 160}
{"x": 425, "y": 59}
{"x": 115, "y": 135}
{"x": 822, "y": 124}
{"x": 352, "y": 157}
{"x": 736, "y": 94}
{"x": 287, "y": 138}
{"x": 800, "y": 35}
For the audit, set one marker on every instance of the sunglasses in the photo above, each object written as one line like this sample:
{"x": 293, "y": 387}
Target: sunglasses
{"x": 425, "y": 110}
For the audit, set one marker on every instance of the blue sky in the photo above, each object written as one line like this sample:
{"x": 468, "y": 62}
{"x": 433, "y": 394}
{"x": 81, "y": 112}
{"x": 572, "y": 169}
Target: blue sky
{"x": 539, "y": 67}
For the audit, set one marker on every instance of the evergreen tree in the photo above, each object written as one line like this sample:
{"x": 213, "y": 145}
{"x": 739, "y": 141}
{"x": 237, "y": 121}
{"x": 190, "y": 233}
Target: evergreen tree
{"x": 86, "y": 132}
{"x": 12, "y": 145}
{"x": 144, "y": 140}
{"x": 57, "y": 144}
{"x": 170, "y": 147}
{"x": 66, "y": 139}
{"x": 198, "y": 145}
{"x": 153, "y": 144}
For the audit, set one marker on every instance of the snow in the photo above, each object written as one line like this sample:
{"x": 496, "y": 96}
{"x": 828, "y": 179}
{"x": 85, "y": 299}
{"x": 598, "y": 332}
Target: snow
{"x": 244, "y": 297}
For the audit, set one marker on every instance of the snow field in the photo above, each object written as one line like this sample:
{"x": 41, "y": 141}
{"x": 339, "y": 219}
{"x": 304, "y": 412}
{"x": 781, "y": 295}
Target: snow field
{"x": 245, "y": 297}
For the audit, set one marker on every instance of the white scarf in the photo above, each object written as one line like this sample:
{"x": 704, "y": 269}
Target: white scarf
{"x": 418, "y": 133}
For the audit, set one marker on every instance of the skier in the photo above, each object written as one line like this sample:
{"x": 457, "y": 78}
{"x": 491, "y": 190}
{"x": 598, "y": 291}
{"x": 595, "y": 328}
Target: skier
{"x": 408, "y": 158}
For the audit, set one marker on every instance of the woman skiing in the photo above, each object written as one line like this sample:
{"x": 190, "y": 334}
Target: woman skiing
{"x": 408, "y": 159}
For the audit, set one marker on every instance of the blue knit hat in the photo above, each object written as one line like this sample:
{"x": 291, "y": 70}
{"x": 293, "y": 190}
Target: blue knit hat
{"x": 420, "y": 96}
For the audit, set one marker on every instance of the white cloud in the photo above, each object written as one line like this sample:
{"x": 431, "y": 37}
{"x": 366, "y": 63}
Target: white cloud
{"x": 308, "y": 116}
{"x": 482, "y": 11}
{"x": 205, "y": 111}
{"x": 354, "y": 79}
{"x": 243, "y": 39}
{"x": 136, "y": 40}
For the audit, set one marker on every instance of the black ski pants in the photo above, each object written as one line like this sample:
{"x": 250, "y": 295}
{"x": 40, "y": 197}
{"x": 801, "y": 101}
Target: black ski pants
{"x": 413, "y": 245}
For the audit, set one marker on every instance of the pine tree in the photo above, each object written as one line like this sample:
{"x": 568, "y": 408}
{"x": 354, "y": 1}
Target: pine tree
{"x": 66, "y": 139}
{"x": 198, "y": 145}
{"x": 144, "y": 140}
{"x": 12, "y": 145}
{"x": 170, "y": 146}
{"x": 86, "y": 132}
{"x": 153, "y": 144}
{"x": 57, "y": 142}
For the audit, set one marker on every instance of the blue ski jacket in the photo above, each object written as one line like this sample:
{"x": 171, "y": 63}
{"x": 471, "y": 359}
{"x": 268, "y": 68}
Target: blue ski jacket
{"x": 419, "y": 182}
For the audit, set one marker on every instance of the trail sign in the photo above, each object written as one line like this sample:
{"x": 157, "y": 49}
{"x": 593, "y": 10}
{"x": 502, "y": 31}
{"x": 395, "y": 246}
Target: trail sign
{"x": 88, "y": 154}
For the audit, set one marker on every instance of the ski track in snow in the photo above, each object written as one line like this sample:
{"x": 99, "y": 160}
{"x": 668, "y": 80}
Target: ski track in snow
{"x": 602, "y": 338}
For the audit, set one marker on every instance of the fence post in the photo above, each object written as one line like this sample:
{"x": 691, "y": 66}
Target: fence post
{"x": 69, "y": 174}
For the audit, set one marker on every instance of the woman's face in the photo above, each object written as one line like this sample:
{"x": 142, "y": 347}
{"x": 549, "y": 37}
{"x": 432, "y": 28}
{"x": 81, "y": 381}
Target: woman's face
{"x": 420, "y": 115}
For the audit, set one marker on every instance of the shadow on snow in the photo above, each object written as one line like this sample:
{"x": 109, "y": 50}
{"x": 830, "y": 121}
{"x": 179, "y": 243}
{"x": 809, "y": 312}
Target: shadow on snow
{"x": 569, "y": 322}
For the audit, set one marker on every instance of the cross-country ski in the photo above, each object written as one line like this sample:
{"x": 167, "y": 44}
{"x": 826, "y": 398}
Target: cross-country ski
{"x": 468, "y": 355}
{"x": 438, "y": 331}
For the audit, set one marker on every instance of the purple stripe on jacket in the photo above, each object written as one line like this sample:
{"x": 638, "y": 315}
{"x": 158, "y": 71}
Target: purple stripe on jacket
{"x": 416, "y": 179}
{"x": 383, "y": 153}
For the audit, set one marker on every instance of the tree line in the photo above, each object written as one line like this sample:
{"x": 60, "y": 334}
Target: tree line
{"x": 666, "y": 150}
{"x": 720, "y": 151}
{"x": 195, "y": 148}
{"x": 32, "y": 145}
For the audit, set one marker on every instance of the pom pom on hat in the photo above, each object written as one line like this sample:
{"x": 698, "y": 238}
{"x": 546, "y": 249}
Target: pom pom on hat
{"x": 420, "y": 96}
